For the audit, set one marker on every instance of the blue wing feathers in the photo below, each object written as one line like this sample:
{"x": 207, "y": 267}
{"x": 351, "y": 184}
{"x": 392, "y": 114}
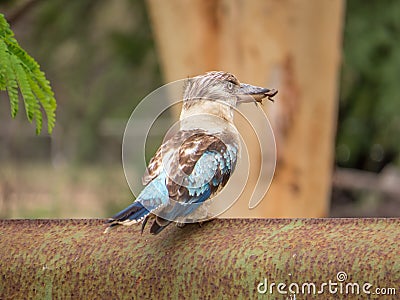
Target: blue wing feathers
{"x": 152, "y": 197}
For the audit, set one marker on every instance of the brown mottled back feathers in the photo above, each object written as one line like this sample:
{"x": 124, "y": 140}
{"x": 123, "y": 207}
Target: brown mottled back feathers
{"x": 187, "y": 146}
{"x": 156, "y": 163}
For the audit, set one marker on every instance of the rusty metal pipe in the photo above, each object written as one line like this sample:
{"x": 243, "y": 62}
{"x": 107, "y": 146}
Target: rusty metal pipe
{"x": 234, "y": 258}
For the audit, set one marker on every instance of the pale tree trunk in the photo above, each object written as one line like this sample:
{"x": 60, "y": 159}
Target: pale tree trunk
{"x": 291, "y": 45}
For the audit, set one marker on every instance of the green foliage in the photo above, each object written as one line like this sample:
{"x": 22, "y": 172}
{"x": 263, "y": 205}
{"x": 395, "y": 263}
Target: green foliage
{"x": 18, "y": 69}
{"x": 369, "y": 122}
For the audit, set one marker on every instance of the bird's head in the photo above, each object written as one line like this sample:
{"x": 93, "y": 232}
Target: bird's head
{"x": 218, "y": 93}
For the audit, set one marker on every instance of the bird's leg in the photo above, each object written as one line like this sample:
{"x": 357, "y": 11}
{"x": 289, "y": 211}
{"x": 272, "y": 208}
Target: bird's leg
{"x": 144, "y": 224}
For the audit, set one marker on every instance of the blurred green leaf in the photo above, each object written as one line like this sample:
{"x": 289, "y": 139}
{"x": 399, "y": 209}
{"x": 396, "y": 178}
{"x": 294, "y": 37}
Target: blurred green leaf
{"x": 19, "y": 69}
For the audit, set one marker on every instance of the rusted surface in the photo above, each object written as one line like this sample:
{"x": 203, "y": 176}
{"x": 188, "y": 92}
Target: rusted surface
{"x": 60, "y": 259}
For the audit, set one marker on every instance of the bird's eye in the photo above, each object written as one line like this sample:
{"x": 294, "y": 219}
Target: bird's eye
{"x": 230, "y": 86}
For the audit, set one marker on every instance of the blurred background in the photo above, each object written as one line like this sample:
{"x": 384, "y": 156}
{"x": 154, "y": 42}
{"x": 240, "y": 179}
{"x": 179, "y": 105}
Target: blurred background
{"x": 103, "y": 57}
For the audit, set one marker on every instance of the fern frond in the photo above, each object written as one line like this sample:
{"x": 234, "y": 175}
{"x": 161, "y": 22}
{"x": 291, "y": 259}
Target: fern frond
{"x": 19, "y": 69}
{"x": 28, "y": 62}
{"x": 38, "y": 118}
{"x": 29, "y": 98}
{"x": 3, "y": 58}
{"x": 8, "y": 75}
{"x": 12, "y": 90}
{"x": 48, "y": 105}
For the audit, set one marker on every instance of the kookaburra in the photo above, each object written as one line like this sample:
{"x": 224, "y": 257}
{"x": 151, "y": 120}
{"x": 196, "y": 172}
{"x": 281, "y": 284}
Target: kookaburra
{"x": 195, "y": 163}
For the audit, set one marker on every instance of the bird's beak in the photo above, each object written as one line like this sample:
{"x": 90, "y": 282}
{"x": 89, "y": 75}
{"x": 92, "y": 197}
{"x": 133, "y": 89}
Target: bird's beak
{"x": 250, "y": 93}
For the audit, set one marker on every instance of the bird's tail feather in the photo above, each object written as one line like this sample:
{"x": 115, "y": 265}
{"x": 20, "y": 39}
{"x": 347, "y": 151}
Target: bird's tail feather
{"x": 134, "y": 213}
